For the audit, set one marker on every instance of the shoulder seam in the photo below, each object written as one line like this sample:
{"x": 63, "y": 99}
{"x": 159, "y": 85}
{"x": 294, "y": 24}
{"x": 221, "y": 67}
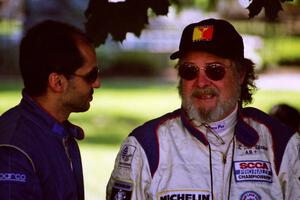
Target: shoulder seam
{"x": 23, "y": 152}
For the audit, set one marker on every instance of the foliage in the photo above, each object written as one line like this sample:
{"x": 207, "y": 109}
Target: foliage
{"x": 272, "y": 7}
{"x": 133, "y": 63}
{"x": 117, "y": 19}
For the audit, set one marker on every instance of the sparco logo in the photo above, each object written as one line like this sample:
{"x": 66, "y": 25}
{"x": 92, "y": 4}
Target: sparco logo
{"x": 185, "y": 196}
{"x": 13, "y": 177}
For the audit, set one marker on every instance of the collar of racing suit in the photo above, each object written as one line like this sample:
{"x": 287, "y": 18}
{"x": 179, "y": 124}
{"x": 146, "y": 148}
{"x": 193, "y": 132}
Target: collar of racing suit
{"x": 57, "y": 128}
{"x": 243, "y": 132}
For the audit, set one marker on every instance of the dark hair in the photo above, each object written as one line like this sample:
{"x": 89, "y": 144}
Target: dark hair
{"x": 247, "y": 87}
{"x": 288, "y": 115}
{"x": 47, "y": 47}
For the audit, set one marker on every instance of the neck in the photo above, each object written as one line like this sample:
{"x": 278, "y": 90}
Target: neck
{"x": 52, "y": 107}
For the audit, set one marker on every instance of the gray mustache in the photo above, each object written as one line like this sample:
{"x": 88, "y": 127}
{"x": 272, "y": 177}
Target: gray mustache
{"x": 205, "y": 91}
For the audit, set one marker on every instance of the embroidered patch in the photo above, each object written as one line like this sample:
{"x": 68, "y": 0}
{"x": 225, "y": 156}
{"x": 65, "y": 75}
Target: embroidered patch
{"x": 243, "y": 150}
{"x": 126, "y": 156}
{"x": 250, "y": 195}
{"x": 253, "y": 170}
{"x": 121, "y": 190}
{"x": 218, "y": 127}
{"x": 184, "y": 195}
{"x": 203, "y": 33}
{"x": 13, "y": 177}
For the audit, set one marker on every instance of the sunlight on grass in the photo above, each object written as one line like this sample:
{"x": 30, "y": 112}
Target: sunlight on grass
{"x": 97, "y": 161}
{"x": 118, "y": 109}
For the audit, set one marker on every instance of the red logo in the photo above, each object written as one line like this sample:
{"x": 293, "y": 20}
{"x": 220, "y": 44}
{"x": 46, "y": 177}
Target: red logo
{"x": 251, "y": 165}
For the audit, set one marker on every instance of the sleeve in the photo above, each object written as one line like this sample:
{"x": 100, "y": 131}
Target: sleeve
{"x": 289, "y": 173}
{"x": 131, "y": 176}
{"x": 18, "y": 179}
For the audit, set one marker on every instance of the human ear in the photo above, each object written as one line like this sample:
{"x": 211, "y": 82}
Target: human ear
{"x": 56, "y": 82}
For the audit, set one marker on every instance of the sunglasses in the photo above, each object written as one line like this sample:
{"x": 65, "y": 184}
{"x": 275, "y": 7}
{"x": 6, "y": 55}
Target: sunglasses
{"x": 214, "y": 71}
{"x": 91, "y": 76}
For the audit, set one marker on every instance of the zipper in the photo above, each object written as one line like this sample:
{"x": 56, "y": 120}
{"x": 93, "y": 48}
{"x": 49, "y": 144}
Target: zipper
{"x": 65, "y": 144}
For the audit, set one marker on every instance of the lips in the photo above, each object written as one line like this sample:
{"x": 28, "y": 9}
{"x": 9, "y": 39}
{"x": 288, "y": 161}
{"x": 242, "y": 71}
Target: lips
{"x": 205, "y": 96}
{"x": 91, "y": 95}
{"x": 205, "y": 93}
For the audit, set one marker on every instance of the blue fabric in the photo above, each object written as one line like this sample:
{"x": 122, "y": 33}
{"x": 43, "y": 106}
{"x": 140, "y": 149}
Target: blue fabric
{"x": 33, "y": 162}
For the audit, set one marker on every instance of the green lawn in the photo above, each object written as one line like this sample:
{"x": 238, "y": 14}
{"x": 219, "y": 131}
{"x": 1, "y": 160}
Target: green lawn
{"x": 118, "y": 107}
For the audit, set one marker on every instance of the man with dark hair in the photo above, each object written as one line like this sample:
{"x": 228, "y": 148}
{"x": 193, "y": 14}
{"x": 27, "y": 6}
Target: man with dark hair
{"x": 39, "y": 155}
{"x": 212, "y": 147}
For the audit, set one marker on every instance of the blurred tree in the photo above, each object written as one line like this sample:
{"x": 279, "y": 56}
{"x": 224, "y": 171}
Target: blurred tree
{"x": 118, "y": 17}
{"x": 272, "y": 7}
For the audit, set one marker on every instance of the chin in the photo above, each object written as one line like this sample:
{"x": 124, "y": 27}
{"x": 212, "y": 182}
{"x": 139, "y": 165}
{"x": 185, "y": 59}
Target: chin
{"x": 82, "y": 108}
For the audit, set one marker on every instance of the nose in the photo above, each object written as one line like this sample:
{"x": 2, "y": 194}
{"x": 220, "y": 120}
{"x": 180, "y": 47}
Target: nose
{"x": 202, "y": 80}
{"x": 96, "y": 83}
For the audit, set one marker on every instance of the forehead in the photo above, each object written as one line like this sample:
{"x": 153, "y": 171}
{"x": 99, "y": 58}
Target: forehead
{"x": 203, "y": 57}
{"x": 86, "y": 49}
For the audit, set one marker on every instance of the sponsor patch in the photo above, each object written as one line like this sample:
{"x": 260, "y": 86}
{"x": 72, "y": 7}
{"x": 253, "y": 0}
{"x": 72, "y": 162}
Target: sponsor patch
{"x": 250, "y": 195}
{"x": 121, "y": 190}
{"x": 219, "y": 127}
{"x": 126, "y": 157}
{"x": 184, "y": 195}
{"x": 13, "y": 177}
{"x": 253, "y": 170}
{"x": 203, "y": 33}
{"x": 243, "y": 150}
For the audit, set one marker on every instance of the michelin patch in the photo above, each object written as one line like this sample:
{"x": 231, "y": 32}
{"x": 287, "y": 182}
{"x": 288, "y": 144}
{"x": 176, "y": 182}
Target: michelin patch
{"x": 253, "y": 170}
{"x": 184, "y": 195}
{"x": 126, "y": 156}
{"x": 250, "y": 195}
{"x": 121, "y": 190}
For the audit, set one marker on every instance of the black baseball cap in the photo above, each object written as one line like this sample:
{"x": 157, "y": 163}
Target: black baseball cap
{"x": 215, "y": 36}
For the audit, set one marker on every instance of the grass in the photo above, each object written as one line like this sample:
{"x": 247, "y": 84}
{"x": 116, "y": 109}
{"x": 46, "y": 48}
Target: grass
{"x": 281, "y": 49}
{"x": 117, "y": 108}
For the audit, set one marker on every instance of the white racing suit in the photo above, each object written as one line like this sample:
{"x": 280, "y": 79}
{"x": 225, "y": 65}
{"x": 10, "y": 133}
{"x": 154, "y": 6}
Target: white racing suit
{"x": 169, "y": 159}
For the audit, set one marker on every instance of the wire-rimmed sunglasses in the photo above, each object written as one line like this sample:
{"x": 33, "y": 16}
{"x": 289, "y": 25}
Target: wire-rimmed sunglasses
{"x": 214, "y": 71}
{"x": 91, "y": 76}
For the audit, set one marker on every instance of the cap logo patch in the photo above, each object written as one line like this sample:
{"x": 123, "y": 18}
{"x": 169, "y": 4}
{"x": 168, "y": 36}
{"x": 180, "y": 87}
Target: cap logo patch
{"x": 203, "y": 33}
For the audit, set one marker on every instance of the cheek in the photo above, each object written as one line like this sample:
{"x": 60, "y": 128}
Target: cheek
{"x": 229, "y": 88}
{"x": 186, "y": 88}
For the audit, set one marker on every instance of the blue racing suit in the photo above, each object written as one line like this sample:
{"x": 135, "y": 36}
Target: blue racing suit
{"x": 39, "y": 157}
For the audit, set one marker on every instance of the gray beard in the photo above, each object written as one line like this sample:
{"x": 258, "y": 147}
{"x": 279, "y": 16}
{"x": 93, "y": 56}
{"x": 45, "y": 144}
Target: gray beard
{"x": 203, "y": 115}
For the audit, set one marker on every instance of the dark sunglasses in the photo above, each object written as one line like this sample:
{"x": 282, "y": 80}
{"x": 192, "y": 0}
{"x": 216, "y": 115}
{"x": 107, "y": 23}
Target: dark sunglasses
{"x": 214, "y": 71}
{"x": 91, "y": 76}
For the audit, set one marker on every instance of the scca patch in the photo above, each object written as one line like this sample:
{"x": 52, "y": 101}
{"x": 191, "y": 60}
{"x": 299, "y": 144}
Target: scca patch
{"x": 126, "y": 156}
{"x": 184, "y": 195}
{"x": 250, "y": 195}
{"x": 121, "y": 190}
{"x": 253, "y": 170}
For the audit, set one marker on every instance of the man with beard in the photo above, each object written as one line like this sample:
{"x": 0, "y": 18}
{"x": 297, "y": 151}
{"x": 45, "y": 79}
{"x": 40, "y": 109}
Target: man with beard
{"x": 212, "y": 147}
{"x": 39, "y": 155}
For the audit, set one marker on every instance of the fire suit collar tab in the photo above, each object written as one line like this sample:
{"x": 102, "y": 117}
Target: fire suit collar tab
{"x": 194, "y": 131}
